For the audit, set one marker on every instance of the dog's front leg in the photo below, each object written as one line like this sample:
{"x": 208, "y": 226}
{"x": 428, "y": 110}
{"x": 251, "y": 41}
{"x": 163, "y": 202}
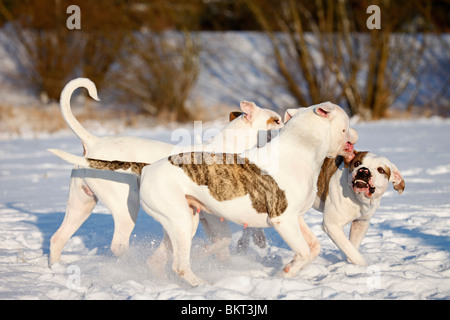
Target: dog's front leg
{"x": 244, "y": 240}
{"x": 289, "y": 229}
{"x": 358, "y": 231}
{"x": 336, "y": 233}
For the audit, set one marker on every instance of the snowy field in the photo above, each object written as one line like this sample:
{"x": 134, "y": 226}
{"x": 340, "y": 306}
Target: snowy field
{"x": 407, "y": 246}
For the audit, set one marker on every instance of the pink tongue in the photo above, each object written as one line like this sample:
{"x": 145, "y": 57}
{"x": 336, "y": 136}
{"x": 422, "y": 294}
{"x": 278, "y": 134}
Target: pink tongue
{"x": 349, "y": 147}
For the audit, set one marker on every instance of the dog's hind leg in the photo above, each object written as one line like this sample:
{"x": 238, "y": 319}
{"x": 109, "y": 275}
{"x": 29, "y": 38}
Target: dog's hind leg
{"x": 123, "y": 202}
{"x": 181, "y": 243}
{"x": 179, "y": 225}
{"x": 219, "y": 234}
{"x": 310, "y": 238}
{"x": 158, "y": 261}
{"x": 289, "y": 229}
{"x": 79, "y": 207}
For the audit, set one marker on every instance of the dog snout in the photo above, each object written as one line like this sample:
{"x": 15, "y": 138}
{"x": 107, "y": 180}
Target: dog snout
{"x": 364, "y": 172}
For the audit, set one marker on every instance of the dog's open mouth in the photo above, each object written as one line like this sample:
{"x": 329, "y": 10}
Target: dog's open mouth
{"x": 348, "y": 151}
{"x": 363, "y": 186}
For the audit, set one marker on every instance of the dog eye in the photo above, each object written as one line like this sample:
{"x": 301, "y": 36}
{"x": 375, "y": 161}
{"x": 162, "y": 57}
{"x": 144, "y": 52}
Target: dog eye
{"x": 277, "y": 121}
{"x": 381, "y": 170}
{"x": 357, "y": 164}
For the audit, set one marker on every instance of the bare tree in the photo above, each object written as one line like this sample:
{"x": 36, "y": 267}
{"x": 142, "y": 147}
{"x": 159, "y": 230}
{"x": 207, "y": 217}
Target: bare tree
{"x": 45, "y": 52}
{"x": 122, "y": 45}
{"x": 159, "y": 64}
{"x": 106, "y": 26}
{"x": 321, "y": 55}
{"x": 157, "y": 73}
{"x": 48, "y": 54}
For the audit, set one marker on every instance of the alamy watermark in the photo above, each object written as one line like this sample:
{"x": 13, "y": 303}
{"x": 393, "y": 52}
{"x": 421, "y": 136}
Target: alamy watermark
{"x": 214, "y": 146}
{"x": 74, "y": 20}
{"x": 374, "y": 21}
{"x": 373, "y": 282}
{"x": 73, "y": 277}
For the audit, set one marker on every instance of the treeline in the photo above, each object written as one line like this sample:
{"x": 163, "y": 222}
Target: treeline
{"x": 221, "y": 15}
{"x": 124, "y": 44}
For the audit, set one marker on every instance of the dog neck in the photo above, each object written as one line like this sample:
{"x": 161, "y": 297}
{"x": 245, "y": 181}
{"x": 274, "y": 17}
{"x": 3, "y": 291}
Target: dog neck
{"x": 294, "y": 151}
{"x": 235, "y": 137}
{"x": 313, "y": 139}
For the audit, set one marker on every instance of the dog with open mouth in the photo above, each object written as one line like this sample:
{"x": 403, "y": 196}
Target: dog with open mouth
{"x": 350, "y": 192}
{"x": 246, "y": 188}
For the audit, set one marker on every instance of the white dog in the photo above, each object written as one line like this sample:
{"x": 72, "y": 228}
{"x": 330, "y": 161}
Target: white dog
{"x": 245, "y": 188}
{"x": 350, "y": 192}
{"x": 120, "y": 192}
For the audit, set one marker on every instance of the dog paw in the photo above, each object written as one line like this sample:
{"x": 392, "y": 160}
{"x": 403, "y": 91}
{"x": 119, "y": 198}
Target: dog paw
{"x": 193, "y": 280}
{"x": 359, "y": 261}
{"x": 293, "y": 267}
{"x": 58, "y": 268}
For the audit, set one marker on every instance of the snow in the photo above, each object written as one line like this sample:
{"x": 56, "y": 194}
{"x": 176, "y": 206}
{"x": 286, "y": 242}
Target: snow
{"x": 407, "y": 246}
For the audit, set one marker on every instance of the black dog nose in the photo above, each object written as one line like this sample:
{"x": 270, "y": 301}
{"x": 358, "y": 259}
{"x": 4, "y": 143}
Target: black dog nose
{"x": 364, "y": 172}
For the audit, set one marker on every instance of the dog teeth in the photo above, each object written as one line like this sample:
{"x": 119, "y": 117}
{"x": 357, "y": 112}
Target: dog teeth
{"x": 360, "y": 184}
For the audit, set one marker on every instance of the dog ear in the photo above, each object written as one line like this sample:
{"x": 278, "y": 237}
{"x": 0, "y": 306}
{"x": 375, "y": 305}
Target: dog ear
{"x": 250, "y": 109}
{"x": 325, "y": 109}
{"x": 396, "y": 178}
{"x": 290, "y": 113}
{"x": 234, "y": 115}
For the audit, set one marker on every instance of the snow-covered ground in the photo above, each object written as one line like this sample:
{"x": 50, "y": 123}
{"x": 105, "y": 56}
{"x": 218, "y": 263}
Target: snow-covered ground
{"x": 407, "y": 246}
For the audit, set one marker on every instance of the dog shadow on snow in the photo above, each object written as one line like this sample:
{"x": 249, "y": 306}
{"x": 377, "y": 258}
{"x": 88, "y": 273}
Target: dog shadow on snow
{"x": 440, "y": 242}
{"x": 96, "y": 232}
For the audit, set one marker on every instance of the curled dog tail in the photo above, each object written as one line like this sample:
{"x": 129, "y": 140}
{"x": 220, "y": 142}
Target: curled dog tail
{"x": 86, "y": 138}
{"x": 121, "y": 166}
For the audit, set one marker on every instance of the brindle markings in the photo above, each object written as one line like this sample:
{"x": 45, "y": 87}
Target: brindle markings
{"x": 329, "y": 167}
{"x": 229, "y": 176}
{"x": 136, "y": 167}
